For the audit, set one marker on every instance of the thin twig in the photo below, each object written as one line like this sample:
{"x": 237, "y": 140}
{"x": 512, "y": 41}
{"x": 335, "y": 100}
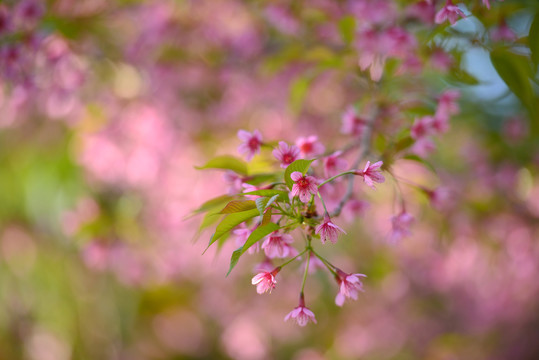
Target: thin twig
{"x": 363, "y": 150}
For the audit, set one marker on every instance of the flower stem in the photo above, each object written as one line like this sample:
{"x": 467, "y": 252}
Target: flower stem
{"x": 306, "y": 271}
{"x": 323, "y": 203}
{"x": 351, "y": 172}
{"x": 294, "y": 258}
{"x": 327, "y": 263}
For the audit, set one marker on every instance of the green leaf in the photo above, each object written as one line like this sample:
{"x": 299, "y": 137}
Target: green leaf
{"x": 347, "y": 28}
{"x": 229, "y": 222}
{"x": 421, "y": 161}
{"x": 226, "y": 162}
{"x": 298, "y": 92}
{"x": 283, "y": 195}
{"x": 403, "y": 144}
{"x": 210, "y": 204}
{"x": 465, "y": 77}
{"x": 255, "y": 236}
{"x": 300, "y": 165}
{"x": 533, "y": 40}
{"x": 266, "y": 219}
{"x": 515, "y": 71}
{"x": 238, "y": 206}
{"x": 263, "y": 203}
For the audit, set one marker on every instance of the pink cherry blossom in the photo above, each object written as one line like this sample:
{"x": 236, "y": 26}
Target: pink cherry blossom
{"x": 423, "y": 147}
{"x": 265, "y": 281}
{"x": 286, "y": 154}
{"x": 352, "y": 123}
{"x": 328, "y": 231}
{"x": 448, "y": 12}
{"x": 242, "y": 234}
{"x": 251, "y": 143}
{"x": 439, "y": 197}
{"x": 301, "y": 314}
{"x": 334, "y": 164}
{"x": 400, "y": 226}
{"x": 310, "y": 146}
{"x": 277, "y": 245}
{"x": 372, "y": 174}
{"x": 304, "y": 186}
{"x": 422, "y": 127}
{"x": 233, "y": 182}
{"x": 349, "y": 286}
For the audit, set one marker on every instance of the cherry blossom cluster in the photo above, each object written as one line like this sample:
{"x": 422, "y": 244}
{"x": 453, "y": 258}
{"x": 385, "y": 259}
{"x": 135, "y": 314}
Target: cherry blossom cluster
{"x": 304, "y": 189}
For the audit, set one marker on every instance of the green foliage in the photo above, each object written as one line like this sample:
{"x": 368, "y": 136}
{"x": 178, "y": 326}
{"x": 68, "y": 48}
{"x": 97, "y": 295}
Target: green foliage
{"x": 226, "y": 162}
{"x": 238, "y": 206}
{"x": 515, "y": 71}
{"x": 533, "y": 40}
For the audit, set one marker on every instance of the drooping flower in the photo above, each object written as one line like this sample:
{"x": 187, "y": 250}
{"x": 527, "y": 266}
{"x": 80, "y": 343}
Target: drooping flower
{"x": 301, "y": 314}
{"x": 372, "y": 173}
{"x": 304, "y": 186}
{"x": 349, "y": 286}
{"x": 328, "y": 230}
{"x": 310, "y": 146}
{"x": 277, "y": 245}
{"x": 286, "y": 154}
{"x": 251, "y": 143}
{"x": 400, "y": 226}
{"x": 333, "y": 164}
{"x": 449, "y": 12}
{"x": 265, "y": 281}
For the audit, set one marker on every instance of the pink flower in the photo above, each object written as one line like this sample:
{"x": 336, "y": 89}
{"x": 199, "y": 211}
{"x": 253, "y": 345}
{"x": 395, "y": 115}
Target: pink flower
{"x": 333, "y": 164}
{"x": 352, "y": 123}
{"x": 286, "y": 154}
{"x": 328, "y": 231}
{"x": 447, "y": 106}
{"x": 314, "y": 263}
{"x": 304, "y": 186}
{"x": 277, "y": 245}
{"x": 423, "y": 147}
{"x": 439, "y": 197}
{"x": 5, "y": 19}
{"x": 422, "y": 127}
{"x": 301, "y": 314}
{"x": 448, "y": 12}
{"x": 400, "y": 226}
{"x": 310, "y": 146}
{"x": 242, "y": 234}
{"x": 349, "y": 286}
{"x": 233, "y": 182}
{"x": 265, "y": 281}
{"x": 251, "y": 143}
{"x": 372, "y": 173}
{"x": 28, "y": 12}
